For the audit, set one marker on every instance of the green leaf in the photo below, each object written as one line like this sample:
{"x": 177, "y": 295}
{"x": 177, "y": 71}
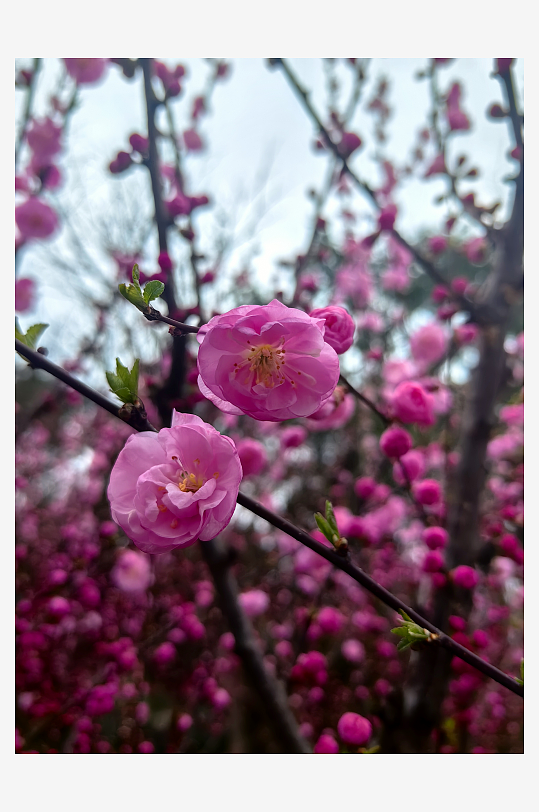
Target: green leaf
{"x": 402, "y": 645}
{"x": 323, "y": 526}
{"x": 124, "y": 382}
{"x": 401, "y": 631}
{"x": 135, "y": 275}
{"x": 152, "y": 290}
{"x": 32, "y": 335}
{"x": 331, "y": 520}
{"x": 133, "y": 294}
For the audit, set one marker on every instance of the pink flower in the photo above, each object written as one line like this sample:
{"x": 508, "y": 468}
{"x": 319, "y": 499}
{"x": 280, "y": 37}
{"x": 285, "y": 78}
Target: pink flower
{"x": 169, "y": 489}
{"x": 354, "y": 280}
{"x": 354, "y": 729}
{"x": 340, "y": 327}
{"x": 466, "y": 333}
{"x": 139, "y": 143}
{"x": 433, "y": 561}
{"x": 35, "y": 219}
{"x": 164, "y": 653}
{"x": 85, "y": 71}
{"x": 476, "y": 250}
{"x": 395, "y": 442}
{"x": 334, "y": 413}
{"x": 427, "y": 491}
{"x": 465, "y": 577}
{"x": 411, "y": 404}
{"x": 413, "y": 463}
{"x": 293, "y": 436}
{"x": 349, "y": 142}
{"x": 192, "y": 141}
{"x": 254, "y": 602}
{"x": 438, "y": 244}
{"x": 252, "y": 456}
{"x": 437, "y": 167}
{"x": 353, "y": 651}
{"x": 132, "y": 572}
{"x": 270, "y": 362}
{"x": 364, "y": 487}
{"x": 24, "y": 295}
{"x": 435, "y": 537}
{"x": 44, "y": 140}
{"x": 326, "y": 744}
{"x": 428, "y": 344}
{"x": 330, "y": 620}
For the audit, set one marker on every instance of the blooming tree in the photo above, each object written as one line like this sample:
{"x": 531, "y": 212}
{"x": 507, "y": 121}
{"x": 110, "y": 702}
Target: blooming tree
{"x": 299, "y": 526}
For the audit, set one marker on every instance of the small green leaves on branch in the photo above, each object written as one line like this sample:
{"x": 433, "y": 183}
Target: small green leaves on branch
{"x": 521, "y": 680}
{"x": 328, "y": 526}
{"x": 139, "y": 297}
{"x": 32, "y": 335}
{"x": 124, "y": 383}
{"x": 411, "y": 634}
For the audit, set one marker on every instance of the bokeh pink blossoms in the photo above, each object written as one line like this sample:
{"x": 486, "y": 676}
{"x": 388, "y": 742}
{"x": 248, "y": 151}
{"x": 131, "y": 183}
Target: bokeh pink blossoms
{"x": 169, "y": 489}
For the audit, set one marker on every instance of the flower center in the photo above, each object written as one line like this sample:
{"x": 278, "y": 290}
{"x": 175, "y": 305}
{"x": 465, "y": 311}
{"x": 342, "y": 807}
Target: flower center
{"x": 190, "y": 482}
{"x": 262, "y": 366}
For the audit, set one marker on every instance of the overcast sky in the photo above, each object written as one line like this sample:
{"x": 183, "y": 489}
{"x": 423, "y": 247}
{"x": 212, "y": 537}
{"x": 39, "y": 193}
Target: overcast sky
{"x": 259, "y": 138}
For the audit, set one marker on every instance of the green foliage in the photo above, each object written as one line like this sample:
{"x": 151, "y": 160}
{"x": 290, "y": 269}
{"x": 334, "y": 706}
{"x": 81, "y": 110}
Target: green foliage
{"x": 410, "y": 633}
{"x": 32, "y": 335}
{"x": 152, "y": 290}
{"x": 124, "y": 383}
{"x": 521, "y": 680}
{"x": 139, "y": 297}
{"x": 328, "y": 526}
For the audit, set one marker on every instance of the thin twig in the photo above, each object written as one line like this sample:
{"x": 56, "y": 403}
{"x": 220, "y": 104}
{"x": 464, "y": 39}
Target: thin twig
{"x": 424, "y": 263}
{"x": 365, "y": 400}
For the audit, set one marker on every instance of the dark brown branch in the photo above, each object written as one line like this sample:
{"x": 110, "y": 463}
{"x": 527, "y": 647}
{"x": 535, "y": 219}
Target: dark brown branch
{"x": 516, "y": 119}
{"x": 173, "y": 387}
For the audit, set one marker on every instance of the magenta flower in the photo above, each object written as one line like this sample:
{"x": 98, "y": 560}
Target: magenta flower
{"x": 354, "y": 729}
{"x": 24, "y": 295}
{"x": 427, "y": 491}
{"x": 254, "y": 602}
{"x": 35, "y": 219}
{"x": 465, "y": 577}
{"x": 192, "y": 141}
{"x": 340, "y": 327}
{"x": 326, "y": 744}
{"x": 435, "y": 537}
{"x": 412, "y": 404}
{"x": 252, "y": 455}
{"x": 270, "y": 362}
{"x": 169, "y": 489}
{"x": 85, "y": 71}
{"x": 395, "y": 442}
{"x": 44, "y": 139}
